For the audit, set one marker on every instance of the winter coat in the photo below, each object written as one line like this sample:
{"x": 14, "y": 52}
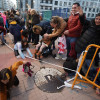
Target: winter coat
{"x": 35, "y": 18}
{"x": 74, "y": 26}
{"x": 46, "y": 27}
{"x": 57, "y": 31}
{"x": 90, "y": 36}
{"x": 4, "y": 88}
{"x": 18, "y": 19}
{"x": 15, "y": 31}
{"x": 14, "y": 67}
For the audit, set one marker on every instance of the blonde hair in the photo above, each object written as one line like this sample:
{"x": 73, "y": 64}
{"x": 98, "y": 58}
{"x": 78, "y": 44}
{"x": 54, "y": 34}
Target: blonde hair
{"x": 36, "y": 27}
{"x": 56, "y": 20}
{"x": 33, "y": 11}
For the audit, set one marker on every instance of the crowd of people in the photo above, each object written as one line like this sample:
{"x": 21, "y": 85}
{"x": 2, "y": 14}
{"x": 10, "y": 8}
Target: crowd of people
{"x": 74, "y": 34}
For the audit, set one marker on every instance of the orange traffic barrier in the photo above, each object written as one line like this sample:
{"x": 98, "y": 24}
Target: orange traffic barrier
{"x": 85, "y": 78}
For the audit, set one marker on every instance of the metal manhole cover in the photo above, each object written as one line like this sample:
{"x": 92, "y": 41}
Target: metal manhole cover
{"x": 48, "y": 79}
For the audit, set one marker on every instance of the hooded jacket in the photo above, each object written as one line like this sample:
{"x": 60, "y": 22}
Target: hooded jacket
{"x": 46, "y": 27}
{"x": 15, "y": 31}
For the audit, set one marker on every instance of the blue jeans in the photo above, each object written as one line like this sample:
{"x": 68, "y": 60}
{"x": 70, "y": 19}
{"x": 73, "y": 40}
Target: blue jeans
{"x": 69, "y": 41}
{"x": 2, "y": 37}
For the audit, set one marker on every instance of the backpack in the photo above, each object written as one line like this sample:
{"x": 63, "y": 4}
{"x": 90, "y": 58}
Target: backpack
{"x": 71, "y": 64}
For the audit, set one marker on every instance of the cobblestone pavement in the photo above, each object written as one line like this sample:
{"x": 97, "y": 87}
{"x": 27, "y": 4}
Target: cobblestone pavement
{"x": 27, "y": 89}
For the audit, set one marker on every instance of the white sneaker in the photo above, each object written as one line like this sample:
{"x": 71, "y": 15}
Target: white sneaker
{"x": 18, "y": 56}
{"x": 58, "y": 56}
{"x": 64, "y": 58}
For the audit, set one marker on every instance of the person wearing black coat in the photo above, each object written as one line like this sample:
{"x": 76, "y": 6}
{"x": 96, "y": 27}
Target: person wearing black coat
{"x": 42, "y": 28}
{"x": 15, "y": 30}
{"x": 90, "y": 35}
{"x": 35, "y": 19}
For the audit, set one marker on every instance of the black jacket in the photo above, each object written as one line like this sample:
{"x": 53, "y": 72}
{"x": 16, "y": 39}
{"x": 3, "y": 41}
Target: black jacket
{"x": 90, "y": 36}
{"x": 46, "y": 27}
{"x": 35, "y": 19}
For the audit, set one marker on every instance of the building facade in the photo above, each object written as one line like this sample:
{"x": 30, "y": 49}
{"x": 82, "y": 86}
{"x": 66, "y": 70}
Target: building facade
{"x": 6, "y": 5}
{"x": 90, "y": 7}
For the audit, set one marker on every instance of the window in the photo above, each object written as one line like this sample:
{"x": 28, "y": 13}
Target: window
{"x": 41, "y": 7}
{"x": 60, "y": 3}
{"x": 46, "y": 1}
{"x": 85, "y": 9}
{"x": 41, "y": 1}
{"x": 88, "y": 14}
{"x": 56, "y": 2}
{"x": 92, "y": 15}
{"x": 31, "y": 3}
{"x": 97, "y": 9}
{"x": 55, "y": 8}
{"x": 93, "y": 9}
{"x": 50, "y": 8}
{"x": 46, "y": 8}
{"x": 65, "y": 3}
{"x": 50, "y": 1}
{"x": 68, "y": 10}
{"x": 89, "y": 9}
{"x": 91, "y": 3}
{"x": 69, "y": 3}
{"x": 86, "y": 3}
{"x": 83, "y": 3}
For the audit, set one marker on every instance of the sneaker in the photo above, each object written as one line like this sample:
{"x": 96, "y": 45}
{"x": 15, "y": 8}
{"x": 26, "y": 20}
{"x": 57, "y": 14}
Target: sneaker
{"x": 58, "y": 56}
{"x": 18, "y": 56}
{"x": 64, "y": 58}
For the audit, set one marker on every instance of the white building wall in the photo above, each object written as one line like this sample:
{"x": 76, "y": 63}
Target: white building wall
{"x": 7, "y": 4}
{"x": 90, "y": 7}
{"x": 1, "y": 6}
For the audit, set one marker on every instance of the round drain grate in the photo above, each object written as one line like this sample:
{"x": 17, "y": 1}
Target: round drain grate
{"x": 48, "y": 79}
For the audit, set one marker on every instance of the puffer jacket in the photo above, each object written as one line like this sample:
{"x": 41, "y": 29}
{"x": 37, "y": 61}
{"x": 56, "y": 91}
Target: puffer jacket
{"x": 90, "y": 36}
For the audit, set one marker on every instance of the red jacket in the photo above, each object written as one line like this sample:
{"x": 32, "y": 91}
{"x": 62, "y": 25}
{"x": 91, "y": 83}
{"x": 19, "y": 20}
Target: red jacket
{"x": 74, "y": 26}
{"x": 2, "y": 29}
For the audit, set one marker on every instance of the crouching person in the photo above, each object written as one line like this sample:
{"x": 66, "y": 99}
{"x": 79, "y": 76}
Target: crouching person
{"x": 21, "y": 48}
{"x": 45, "y": 42}
{"x": 8, "y": 78}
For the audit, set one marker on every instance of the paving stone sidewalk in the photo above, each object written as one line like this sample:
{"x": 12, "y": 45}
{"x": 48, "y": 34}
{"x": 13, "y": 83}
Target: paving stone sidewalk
{"x": 27, "y": 89}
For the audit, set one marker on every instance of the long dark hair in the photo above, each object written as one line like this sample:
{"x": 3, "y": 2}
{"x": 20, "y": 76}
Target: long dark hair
{"x": 24, "y": 41}
{"x": 3, "y": 76}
